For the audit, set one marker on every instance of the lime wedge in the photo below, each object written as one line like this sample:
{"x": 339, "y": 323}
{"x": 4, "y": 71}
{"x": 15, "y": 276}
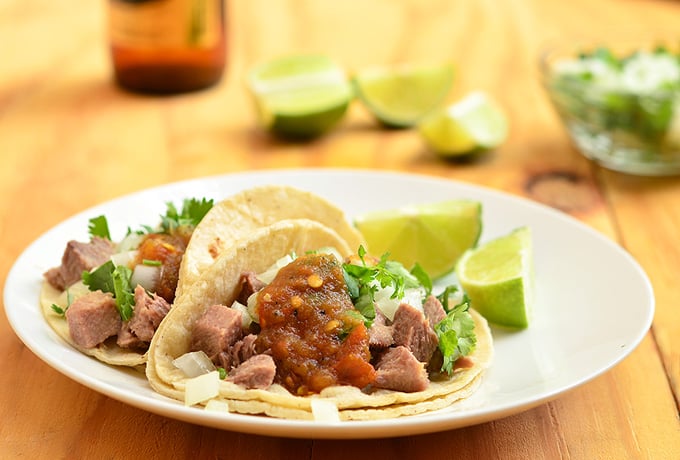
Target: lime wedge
{"x": 498, "y": 277}
{"x": 402, "y": 96}
{"x": 433, "y": 235}
{"x": 300, "y": 96}
{"x": 474, "y": 123}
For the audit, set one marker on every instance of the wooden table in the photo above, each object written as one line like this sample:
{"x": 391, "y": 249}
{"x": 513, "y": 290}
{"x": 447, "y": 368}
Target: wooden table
{"x": 70, "y": 139}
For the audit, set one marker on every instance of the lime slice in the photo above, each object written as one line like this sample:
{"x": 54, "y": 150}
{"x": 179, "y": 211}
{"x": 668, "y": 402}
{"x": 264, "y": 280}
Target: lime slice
{"x": 498, "y": 277}
{"x": 474, "y": 123}
{"x": 402, "y": 96}
{"x": 433, "y": 235}
{"x": 300, "y": 96}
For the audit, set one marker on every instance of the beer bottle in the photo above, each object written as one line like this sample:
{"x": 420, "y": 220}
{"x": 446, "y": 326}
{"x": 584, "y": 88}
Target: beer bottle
{"x": 167, "y": 46}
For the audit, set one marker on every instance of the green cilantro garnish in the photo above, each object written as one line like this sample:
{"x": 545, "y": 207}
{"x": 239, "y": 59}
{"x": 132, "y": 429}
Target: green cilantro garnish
{"x": 62, "y": 311}
{"x": 192, "y": 212}
{"x": 363, "y": 281}
{"x": 99, "y": 226}
{"x": 456, "y": 335}
{"x": 100, "y": 277}
{"x": 116, "y": 280}
{"x": 222, "y": 372}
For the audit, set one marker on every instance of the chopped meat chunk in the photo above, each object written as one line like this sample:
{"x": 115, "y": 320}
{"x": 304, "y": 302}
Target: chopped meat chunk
{"x": 244, "y": 349}
{"x": 126, "y": 339}
{"x": 399, "y": 370}
{"x": 93, "y": 318}
{"x": 413, "y": 330}
{"x": 434, "y": 311}
{"x": 148, "y": 313}
{"x": 217, "y": 330}
{"x": 256, "y": 372}
{"x": 79, "y": 257}
{"x": 250, "y": 284}
{"x": 380, "y": 334}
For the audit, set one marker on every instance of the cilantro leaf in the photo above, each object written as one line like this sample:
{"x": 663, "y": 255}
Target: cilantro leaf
{"x": 423, "y": 278}
{"x": 62, "y": 311}
{"x": 100, "y": 278}
{"x": 364, "y": 280}
{"x": 99, "y": 226}
{"x": 116, "y": 280}
{"x": 456, "y": 335}
{"x": 125, "y": 299}
{"x": 193, "y": 210}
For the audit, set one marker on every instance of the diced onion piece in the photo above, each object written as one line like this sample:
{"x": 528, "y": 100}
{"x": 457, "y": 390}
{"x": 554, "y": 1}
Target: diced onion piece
{"x": 268, "y": 275}
{"x": 124, "y": 258}
{"x": 202, "y": 388}
{"x": 385, "y": 303}
{"x": 414, "y": 297}
{"x": 146, "y": 276}
{"x": 325, "y": 410}
{"x": 216, "y": 405}
{"x": 130, "y": 242}
{"x": 252, "y": 310}
{"x": 245, "y": 315}
{"x": 194, "y": 363}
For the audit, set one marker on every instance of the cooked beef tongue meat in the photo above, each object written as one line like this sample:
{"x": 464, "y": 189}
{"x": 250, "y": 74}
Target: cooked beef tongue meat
{"x": 399, "y": 370}
{"x": 216, "y": 331}
{"x": 257, "y": 372}
{"x": 434, "y": 311}
{"x": 413, "y": 330}
{"x": 149, "y": 311}
{"x": 93, "y": 318}
{"x": 380, "y": 335}
{"x": 250, "y": 284}
{"x": 79, "y": 257}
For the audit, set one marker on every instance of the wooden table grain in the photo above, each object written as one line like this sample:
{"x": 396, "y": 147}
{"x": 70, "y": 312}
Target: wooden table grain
{"x": 70, "y": 139}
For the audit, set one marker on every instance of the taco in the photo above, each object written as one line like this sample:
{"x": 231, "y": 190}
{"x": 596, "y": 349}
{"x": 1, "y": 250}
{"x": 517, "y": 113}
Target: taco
{"x": 288, "y": 324}
{"x": 107, "y": 298}
{"x": 239, "y": 215}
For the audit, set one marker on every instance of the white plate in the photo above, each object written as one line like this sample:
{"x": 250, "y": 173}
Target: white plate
{"x": 594, "y": 304}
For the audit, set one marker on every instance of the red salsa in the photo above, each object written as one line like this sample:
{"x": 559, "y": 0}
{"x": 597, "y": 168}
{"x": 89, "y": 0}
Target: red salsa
{"x": 310, "y": 326}
{"x": 168, "y": 250}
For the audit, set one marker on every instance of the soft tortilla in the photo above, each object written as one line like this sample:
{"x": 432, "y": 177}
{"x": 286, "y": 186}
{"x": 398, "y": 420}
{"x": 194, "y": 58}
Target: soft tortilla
{"x": 219, "y": 284}
{"x": 238, "y": 216}
{"x": 107, "y": 351}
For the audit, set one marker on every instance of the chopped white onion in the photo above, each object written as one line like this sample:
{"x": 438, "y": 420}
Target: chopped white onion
{"x": 146, "y": 276}
{"x": 124, "y": 258}
{"x": 268, "y": 275}
{"x": 194, "y": 363}
{"x": 385, "y": 303}
{"x": 130, "y": 242}
{"x": 414, "y": 297}
{"x": 202, "y": 388}
{"x": 252, "y": 310}
{"x": 388, "y": 306}
{"x": 324, "y": 410}
{"x": 216, "y": 405}
{"x": 245, "y": 315}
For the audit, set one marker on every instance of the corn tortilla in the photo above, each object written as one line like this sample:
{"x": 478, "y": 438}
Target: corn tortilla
{"x": 219, "y": 284}
{"x": 237, "y": 216}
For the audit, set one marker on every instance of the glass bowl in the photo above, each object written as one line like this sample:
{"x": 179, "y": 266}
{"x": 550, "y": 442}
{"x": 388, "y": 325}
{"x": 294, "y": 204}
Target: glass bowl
{"x": 619, "y": 104}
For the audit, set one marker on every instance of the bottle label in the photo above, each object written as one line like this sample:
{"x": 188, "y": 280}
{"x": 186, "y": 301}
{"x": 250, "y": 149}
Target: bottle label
{"x": 165, "y": 23}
